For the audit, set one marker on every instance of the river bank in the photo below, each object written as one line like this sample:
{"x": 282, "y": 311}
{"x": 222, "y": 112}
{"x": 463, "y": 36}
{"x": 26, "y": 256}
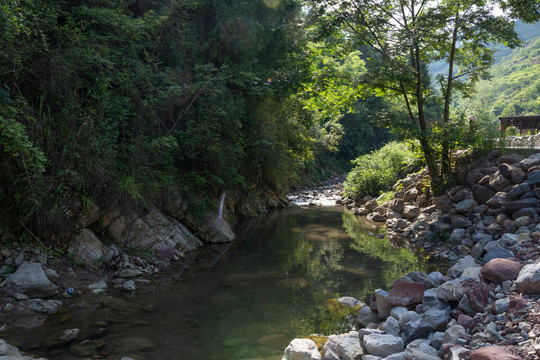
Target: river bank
{"x": 487, "y": 305}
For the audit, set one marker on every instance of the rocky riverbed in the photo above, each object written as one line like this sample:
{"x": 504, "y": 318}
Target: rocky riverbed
{"x": 487, "y": 305}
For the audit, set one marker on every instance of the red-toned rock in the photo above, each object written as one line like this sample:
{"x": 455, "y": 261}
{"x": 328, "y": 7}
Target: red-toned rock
{"x": 477, "y": 293}
{"x": 493, "y": 353}
{"x": 499, "y": 270}
{"x": 465, "y": 320}
{"x": 406, "y": 293}
{"x": 517, "y": 304}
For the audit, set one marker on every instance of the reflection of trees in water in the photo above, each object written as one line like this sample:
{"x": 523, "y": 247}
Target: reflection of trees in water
{"x": 315, "y": 259}
{"x": 398, "y": 261}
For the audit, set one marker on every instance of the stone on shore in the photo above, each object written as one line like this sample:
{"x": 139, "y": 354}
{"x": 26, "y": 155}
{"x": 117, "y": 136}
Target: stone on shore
{"x": 301, "y": 349}
{"x": 499, "y": 270}
{"x": 383, "y": 344}
{"x": 528, "y": 280}
{"x": 345, "y": 346}
{"x": 405, "y": 294}
{"x": 31, "y": 280}
{"x": 493, "y": 353}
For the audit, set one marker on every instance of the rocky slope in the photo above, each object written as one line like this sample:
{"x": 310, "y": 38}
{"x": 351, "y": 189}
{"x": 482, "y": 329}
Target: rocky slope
{"x": 487, "y": 306}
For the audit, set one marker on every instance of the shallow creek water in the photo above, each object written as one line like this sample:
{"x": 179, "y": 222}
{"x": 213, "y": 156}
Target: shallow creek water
{"x": 269, "y": 287}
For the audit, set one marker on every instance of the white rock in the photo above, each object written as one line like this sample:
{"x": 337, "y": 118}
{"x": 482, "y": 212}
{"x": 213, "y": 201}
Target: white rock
{"x": 301, "y": 349}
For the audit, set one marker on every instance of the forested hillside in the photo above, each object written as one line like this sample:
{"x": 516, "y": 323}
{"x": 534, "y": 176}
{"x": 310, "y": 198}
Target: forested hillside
{"x": 514, "y": 87}
{"x": 120, "y": 100}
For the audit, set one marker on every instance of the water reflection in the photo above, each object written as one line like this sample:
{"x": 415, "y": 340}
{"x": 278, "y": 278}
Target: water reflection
{"x": 274, "y": 284}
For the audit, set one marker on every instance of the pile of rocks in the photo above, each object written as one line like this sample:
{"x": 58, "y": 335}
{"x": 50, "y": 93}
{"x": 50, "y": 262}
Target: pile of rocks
{"x": 326, "y": 193}
{"x": 487, "y": 306}
{"x": 472, "y": 311}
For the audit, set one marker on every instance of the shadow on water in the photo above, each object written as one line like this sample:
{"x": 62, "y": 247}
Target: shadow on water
{"x": 272, "y": 285}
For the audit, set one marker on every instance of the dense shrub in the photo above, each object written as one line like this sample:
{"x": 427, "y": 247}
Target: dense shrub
{"x": 379, "y": 170}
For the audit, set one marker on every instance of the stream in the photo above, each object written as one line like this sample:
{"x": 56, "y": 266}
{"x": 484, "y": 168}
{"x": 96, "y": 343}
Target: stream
{"x": 275, "y": 282}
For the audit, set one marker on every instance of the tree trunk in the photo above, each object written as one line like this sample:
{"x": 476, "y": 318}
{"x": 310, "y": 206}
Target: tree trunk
{"x": 445, "y": 155}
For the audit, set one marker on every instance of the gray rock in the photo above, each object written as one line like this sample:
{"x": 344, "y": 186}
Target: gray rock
{"x": 437, "y": 339}
{"x": 531, "y": 161}
{"x": 498, "y": 181}
{"x": 458, "y": 268}
{"x": 212, "y": 229}
{"x": 397, "y": 311}
{"x": 129, "y": 286}
{"x": 87, "y": 248}
{"x": 30, "y": 279}
{"x": 523, "y": 221}
{"x": 98, "y": 285}
{"x": 391, "y": 326}
{"x": 517, "y": 191}
{"x": 453, "y": 333}
{"x": 436, "y": 276}
{"x": 431, "y": 301}
{"x": 457, "y": 235}
{"x": 528, "y": 281}
{"x": 346, "y": 346}
{"x": 419, "y": 277}
{"x": 460, "y": 221}
{"x": 383, "y": 344}
{"x": 451, "y": 290}
{"x": 301, "y": 349}
{"x": 45, "y": 306}
{"x": 367, "y": 331}
{"x": 411, "y": 211}
{"x": 8, "y": 308}
{"x": 497, "y": 253}
{"x": 420, "y": 350}
{"x": 472, "y": 272}
{"x": 52, "y": 274}
{"x": 416, "y": 326}
{"x": 366, "y": 317}
{"x": 350, "y": 301}
{"x": 533, "y": 177}
{"x": 501, "y": 305}
{"x": 129, "y": 273}
{"x": 508, "y": 239}
{"x": 466, "y": 206}
{"x": 383, "y": 306}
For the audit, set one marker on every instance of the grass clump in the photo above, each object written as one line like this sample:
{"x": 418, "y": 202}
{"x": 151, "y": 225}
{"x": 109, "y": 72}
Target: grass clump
{"x": 377, "y": 171}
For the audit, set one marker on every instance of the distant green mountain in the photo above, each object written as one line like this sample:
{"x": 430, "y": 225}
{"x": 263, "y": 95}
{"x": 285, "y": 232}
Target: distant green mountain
{"x": 514, "y": 88}
{"x": 525, "y": 32}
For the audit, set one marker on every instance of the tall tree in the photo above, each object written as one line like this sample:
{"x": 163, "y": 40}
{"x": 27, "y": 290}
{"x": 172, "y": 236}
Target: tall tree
{"x": 405, "y": 36}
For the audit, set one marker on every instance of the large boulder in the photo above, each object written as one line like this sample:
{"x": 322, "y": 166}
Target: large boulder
{"x": 499, "y": 270}
{"x": 411, "y": 211}
{"x": 301, "y": 349}
{"x": 405, "y": 293}
{"x": 366, "y": 317}
{"x": 493, "y": 353}
{"x": 419, "y": 326}
{"x": 30, "y": 279}
{"x": 345, "y": 346}
{"x": 212, "y": 228}
{"x": 87, "y": 248}
{"x": 383, "y": 344}
{"x": 528, "y": 280}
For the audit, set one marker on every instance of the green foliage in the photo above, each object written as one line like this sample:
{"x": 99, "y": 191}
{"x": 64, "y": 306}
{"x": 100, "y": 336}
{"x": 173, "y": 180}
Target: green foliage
{"x": 512, "y": 131}
{"x": 514, "y": 85}
{"x": 404, "y": 37}
{"x": 377, "y": 171}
